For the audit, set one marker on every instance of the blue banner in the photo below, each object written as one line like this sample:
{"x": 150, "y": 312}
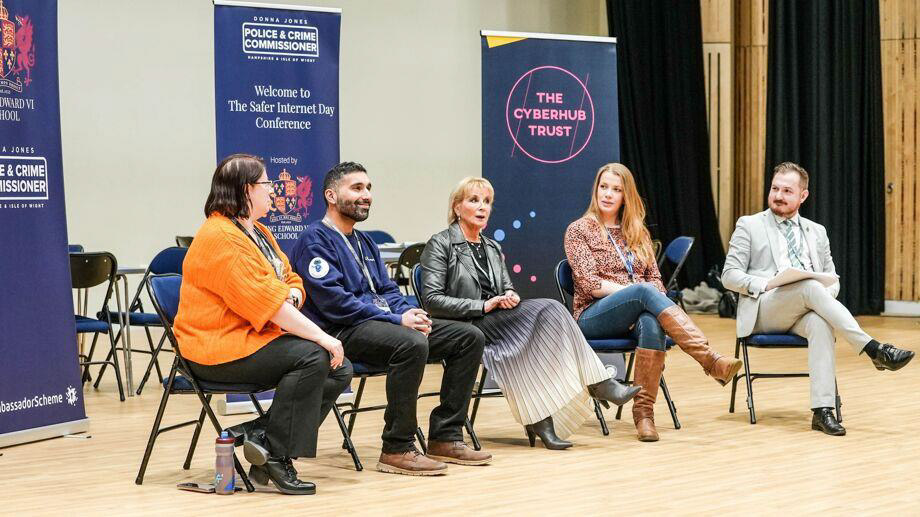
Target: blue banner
{"x": 549, "y": 122}
{"x": 40, "y": 390}
{"x": 276, "y": 82}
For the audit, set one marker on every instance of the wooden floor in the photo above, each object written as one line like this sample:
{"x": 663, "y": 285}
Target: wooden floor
{"x": 717, "y": 463}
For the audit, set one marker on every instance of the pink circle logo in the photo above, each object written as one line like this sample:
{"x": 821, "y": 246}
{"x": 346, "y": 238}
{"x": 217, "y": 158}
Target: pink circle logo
{"x": 550, "y": 114}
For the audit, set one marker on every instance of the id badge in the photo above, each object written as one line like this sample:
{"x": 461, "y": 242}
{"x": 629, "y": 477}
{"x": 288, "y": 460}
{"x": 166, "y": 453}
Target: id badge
{"x": 381, "y": 304}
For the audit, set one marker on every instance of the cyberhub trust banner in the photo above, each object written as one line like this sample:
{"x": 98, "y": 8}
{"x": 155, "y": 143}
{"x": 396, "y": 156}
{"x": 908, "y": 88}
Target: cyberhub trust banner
{"x": 549, "y": 121}
{"x": 276, "y": 81}
{"x": 40, "y": 391}
{"x": 277, "y": 95}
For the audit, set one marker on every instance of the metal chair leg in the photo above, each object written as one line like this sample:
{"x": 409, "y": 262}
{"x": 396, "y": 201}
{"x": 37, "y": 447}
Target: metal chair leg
{"x": 194, "y": 443}
{"x": 121, "y": 389}
{"x": 837, "y": 400}
{"x": 156, "y": 427}
{"x": 357, "y": 404}
{"x": 750, "y": 387}
{"x": 667, "y": 397}
{"x": 599, "y": 413}
{"x": 478, "y": 395}
{"x": 420, "y": 436}
{"x": 472, "y": 432}
{"x": 153, "y": 361}
{"x": 349, "y": 445}
{"x": 731, "y": 404}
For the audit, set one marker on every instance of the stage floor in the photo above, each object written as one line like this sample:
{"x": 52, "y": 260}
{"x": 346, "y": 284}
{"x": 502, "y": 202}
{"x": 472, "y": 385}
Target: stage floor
{"x": 717, "y": 462}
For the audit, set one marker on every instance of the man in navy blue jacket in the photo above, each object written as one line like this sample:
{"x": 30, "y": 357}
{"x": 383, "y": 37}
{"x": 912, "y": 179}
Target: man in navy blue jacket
{"x": 350, "y": 296}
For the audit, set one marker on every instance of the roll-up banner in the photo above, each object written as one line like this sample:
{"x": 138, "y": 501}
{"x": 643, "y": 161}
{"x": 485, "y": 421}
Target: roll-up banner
{"x": 276, "y": 84}
{"x": 41, "y": 395}
{"x": 549, "y": 121}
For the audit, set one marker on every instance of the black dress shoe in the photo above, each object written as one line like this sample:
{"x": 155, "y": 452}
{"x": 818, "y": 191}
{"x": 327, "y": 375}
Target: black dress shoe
{"x": 544, "y": 429}
{"x": 611, "y": 390}
{"x": 242, "y": 432}
{"x": 890, "y": 357}
{"x": 823, "y": 420}
{"x": 281, "y": 472}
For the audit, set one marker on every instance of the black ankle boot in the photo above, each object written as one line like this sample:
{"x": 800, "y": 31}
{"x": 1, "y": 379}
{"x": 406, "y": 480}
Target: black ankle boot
{"x": 611, "y": 390}
{"x": 544, "y": 429}
{"x": 282, "y": 474}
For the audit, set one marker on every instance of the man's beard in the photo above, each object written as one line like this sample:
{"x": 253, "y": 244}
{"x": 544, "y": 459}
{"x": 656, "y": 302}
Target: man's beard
{"x": 352, "y": 211}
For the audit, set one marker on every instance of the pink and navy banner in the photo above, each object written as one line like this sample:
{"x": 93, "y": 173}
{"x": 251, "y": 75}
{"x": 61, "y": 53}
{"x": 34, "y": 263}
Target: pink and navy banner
{"x": 276, "y": 83}
{"x": 41, "y": 395}
{"x": 549, "y": 122}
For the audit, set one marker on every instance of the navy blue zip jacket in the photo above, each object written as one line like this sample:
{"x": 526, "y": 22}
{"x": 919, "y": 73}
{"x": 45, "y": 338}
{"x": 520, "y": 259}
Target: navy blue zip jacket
{"x": 337, "y": 291}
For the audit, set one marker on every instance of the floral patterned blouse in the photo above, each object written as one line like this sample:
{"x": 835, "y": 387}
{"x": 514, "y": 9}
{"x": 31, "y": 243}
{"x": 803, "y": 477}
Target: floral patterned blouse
{"x": 593, "y": 259}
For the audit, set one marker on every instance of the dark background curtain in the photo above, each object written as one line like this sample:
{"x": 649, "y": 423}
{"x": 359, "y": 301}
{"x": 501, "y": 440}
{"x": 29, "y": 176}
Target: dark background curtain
{"x": 663, "y": 135}
{"x": 824, "y": 112}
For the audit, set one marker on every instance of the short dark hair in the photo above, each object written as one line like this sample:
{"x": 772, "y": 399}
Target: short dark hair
{"x": 793, "y": 167}
{"x": 335, "y": 174}
{"x": 233, "y": 174}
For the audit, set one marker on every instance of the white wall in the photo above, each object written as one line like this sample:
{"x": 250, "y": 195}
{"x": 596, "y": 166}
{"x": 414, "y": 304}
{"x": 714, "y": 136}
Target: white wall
{"x": 137, "y": 102}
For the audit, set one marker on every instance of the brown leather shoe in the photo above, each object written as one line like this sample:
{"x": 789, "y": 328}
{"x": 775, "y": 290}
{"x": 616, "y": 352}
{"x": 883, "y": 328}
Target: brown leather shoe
{"x": 649, "y": 364}
{"x": 457, "y": 452}
{"x": 410, "y": 463}
{"x": 675, "y": 322}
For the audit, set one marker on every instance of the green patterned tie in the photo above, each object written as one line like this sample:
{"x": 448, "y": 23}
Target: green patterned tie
{"x": 791, "y": 244}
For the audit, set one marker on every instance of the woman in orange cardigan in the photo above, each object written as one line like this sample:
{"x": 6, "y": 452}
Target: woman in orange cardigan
{"x": 238, "y": 322}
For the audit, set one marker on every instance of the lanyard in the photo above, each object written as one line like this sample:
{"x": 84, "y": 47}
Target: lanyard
{"x": 265, "y": 248}
{"x": 360, "y": 261}
{"x": 627, "y": 260}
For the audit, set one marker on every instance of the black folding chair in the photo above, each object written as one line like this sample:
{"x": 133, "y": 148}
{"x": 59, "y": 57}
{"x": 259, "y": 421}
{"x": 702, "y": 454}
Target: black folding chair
{"x": 676, "y": 253}
{"x": 408, "y": 259}
{"x": 164, "y": 293}
{"x": 88, "y": 270}
{"x": 774, "y": 342}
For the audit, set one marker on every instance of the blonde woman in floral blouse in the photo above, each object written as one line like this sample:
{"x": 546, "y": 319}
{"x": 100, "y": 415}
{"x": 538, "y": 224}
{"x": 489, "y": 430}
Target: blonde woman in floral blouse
{"x": 618, "y": 290}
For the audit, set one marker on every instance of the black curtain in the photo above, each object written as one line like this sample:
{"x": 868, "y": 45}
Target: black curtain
{"x": 824, "y": 112}
{"x": 663, "y": 134}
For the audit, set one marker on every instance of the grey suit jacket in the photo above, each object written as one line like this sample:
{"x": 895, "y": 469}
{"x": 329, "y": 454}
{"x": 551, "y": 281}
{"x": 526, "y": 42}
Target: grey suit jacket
{"x": 753, "y": 255}
{"x": 450, "y": 285}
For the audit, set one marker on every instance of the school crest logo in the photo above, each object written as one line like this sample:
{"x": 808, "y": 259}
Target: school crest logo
{"x": 17, "y": 51}
{"x": 291, "y": 198}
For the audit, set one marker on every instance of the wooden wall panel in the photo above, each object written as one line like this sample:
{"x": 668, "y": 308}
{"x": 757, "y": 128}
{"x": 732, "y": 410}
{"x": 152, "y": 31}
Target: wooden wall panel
{"x": 717, "y": 66}
{"x": 900, "y": 82}
{"x": 750, "y": 105}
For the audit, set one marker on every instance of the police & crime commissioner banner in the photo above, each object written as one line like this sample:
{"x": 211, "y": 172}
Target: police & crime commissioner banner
{"x": 276, "y": 83}
{"x": 549, "y": 122}
{"x": 41, "y": 395}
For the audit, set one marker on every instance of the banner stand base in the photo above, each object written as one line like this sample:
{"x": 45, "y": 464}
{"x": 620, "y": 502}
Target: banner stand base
{"x": 44, "y": 433}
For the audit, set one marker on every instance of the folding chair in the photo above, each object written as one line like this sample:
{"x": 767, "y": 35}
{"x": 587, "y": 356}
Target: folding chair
{"x": 768, "y": 341}
{"x": 614, "y": 344}
{"x": 164, "y": 293}
{"x": 167, "y": 261}
{"x": 676, "y": 253}
{"x": 408, "y": 259}
{"x": 88, "y": 270}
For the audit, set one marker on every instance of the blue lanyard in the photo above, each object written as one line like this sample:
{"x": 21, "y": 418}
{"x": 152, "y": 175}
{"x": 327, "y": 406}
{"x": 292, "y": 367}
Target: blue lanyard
{"x": 627, "y": 260}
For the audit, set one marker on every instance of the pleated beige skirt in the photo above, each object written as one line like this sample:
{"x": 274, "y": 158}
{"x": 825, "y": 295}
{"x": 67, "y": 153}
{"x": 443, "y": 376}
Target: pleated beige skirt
{"x": 542, "y": 363}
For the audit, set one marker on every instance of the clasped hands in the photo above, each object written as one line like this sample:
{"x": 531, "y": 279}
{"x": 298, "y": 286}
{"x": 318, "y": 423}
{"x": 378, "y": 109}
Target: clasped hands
{"x": 509, "y": 300}
{"x": 417, "y": 319}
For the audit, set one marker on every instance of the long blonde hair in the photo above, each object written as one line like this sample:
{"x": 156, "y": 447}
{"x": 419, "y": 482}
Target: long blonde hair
{"x": 632, "y": 212}
{"x": 462, "y": 190}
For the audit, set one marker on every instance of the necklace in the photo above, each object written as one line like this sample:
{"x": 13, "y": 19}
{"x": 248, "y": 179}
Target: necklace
{"x": 476, "y": 248}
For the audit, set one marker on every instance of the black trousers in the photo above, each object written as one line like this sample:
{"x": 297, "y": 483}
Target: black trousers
{"x": 405, "y": 352}
{"x": 305, "y": 389}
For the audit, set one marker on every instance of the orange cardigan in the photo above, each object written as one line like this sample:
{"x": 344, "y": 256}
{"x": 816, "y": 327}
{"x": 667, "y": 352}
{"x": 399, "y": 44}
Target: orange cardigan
{"x": 229, "y": 292}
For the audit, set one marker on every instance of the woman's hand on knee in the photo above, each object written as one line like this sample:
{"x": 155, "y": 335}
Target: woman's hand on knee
{"x": 334, "y": 347}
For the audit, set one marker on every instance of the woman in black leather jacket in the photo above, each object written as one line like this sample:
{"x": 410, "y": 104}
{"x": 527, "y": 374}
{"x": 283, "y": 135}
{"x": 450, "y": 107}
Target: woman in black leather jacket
{"x": 535, "y": 351}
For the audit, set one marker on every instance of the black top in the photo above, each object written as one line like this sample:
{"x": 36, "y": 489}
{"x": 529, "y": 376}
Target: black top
{"x": 481, "y": 261}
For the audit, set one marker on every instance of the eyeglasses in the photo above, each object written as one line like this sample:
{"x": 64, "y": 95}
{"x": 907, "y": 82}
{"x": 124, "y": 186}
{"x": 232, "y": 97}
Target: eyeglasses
{"x": 266, "y": 184}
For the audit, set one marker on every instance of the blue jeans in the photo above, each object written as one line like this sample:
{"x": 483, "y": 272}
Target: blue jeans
{"x": 632, "y": 311}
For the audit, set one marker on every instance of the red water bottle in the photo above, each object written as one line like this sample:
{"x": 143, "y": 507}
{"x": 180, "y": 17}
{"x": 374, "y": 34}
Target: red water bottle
{"x": 224, "y": 479}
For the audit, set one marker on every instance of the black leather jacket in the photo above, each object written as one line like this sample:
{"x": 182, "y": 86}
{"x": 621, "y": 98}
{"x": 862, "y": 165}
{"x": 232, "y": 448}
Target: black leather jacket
{"x": 450, "y": 285}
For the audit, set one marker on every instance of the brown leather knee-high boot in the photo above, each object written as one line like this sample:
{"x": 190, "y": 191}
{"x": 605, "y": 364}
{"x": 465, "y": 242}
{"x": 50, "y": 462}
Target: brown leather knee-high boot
{"x": 649, "y": 364}
{"x": 675, "y": 322}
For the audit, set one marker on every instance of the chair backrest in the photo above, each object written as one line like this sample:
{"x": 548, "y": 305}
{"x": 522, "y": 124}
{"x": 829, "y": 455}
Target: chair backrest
{"x": 184, "y": 241}
{"x": 407, "y": 260}
{"x": 164, "y": 293}
{"x": 74, "y": 248}
{"x": 168, "y": 261}
{"x": 92, "y": 269}
{"x": 380, "y": 236}
{"x": 416, "y": 281}
{"x": 565, "y": 283}
{"x": 676, "y": 253}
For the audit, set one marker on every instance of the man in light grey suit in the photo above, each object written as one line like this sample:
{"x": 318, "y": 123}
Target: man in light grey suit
{"x": 778, "y": 238}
